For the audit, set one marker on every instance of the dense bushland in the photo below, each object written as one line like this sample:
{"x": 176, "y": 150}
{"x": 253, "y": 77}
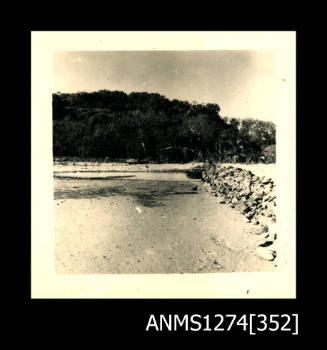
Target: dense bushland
{"x": 138, "y": 125}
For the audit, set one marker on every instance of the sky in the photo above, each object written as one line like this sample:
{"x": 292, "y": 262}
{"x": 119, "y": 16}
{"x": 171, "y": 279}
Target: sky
{"x": 242, "y": 83}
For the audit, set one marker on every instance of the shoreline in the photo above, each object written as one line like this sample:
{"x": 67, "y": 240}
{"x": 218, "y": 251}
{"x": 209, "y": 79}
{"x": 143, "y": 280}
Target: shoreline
{"x": 103, "y": 168}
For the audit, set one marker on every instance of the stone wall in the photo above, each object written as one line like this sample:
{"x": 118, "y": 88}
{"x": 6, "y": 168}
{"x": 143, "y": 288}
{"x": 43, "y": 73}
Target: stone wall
{"x": 253, "y": 196}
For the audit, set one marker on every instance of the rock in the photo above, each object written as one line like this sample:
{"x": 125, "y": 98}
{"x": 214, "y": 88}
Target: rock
{"x": 242, "y": 207}
{"x": 267, "y": 243}
{"x": 258, "y": 196}
{"x": 234, "y": 201}
{"x": 267, "y": 188}
{"x": 266, "y": 236}
{"x": 265, "y": 254}
{"x": 249, "y": 215}
{"x": 251, "y": 195}
{"x": 265, "y": 180}
{"x": 244, "y": 193}
{"x": 272, "y": 247}
{"x": 264, "y": 242}
{"x": 271, "y": 237}
{"x": 195, "y": 188}
{"x": 264, "y": 229}
{"x": 266, "y": 198}
{"x": 260, "y": 233}
{"x": 264, "y": 221}
{"x": 252, "y": 203}
{"x": 247, "y": 209}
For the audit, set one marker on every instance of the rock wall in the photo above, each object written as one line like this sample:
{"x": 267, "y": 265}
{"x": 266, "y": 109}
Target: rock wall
{"x": 251, "y": 195}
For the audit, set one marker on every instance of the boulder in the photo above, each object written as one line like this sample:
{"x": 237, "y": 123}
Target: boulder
{"x": 234, "y": 201}
{"x": 264, "y": 228}
{"x": 266, "y": 180}
{"x": 264, "y": 253}
{"x": 249, "y": 215}
{"x": 255, "y": 179}
{"x": 242, "y": 207}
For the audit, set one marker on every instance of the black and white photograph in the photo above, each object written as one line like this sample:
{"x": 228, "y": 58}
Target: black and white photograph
{"x": 165, "y": 164}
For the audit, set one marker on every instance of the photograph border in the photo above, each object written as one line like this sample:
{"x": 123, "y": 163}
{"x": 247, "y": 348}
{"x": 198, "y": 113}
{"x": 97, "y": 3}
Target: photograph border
{"x": 83, "y": 296}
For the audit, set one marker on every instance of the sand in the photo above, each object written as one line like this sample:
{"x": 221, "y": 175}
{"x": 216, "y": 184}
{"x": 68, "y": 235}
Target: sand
{"x": 148, "y": 223}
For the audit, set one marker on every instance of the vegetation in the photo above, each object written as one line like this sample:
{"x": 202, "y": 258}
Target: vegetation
{"x": 138, "y": 125}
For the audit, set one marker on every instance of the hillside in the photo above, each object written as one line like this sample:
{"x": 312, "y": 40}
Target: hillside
{"x": 148, "y": 126}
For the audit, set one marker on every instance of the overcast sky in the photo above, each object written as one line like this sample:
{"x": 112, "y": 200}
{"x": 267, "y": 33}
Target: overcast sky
{"x": 242, "y": 83}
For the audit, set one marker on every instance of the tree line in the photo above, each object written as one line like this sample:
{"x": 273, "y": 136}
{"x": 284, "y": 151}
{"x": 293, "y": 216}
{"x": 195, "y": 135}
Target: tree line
{"x": 138, "y": 125}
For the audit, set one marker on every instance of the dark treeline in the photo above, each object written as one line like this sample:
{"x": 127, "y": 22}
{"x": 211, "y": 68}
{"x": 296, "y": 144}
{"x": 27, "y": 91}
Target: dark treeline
{"x": 138, "y": 125}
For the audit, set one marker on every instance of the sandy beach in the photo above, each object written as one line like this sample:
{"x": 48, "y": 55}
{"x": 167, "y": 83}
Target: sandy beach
{"x": 147, "y": 222}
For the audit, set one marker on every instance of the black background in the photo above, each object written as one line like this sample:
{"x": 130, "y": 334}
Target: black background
{"x": 49, "y": 321}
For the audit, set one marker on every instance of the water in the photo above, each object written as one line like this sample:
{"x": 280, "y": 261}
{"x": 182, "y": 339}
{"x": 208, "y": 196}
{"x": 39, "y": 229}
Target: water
{"x": 149, "y": 190}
